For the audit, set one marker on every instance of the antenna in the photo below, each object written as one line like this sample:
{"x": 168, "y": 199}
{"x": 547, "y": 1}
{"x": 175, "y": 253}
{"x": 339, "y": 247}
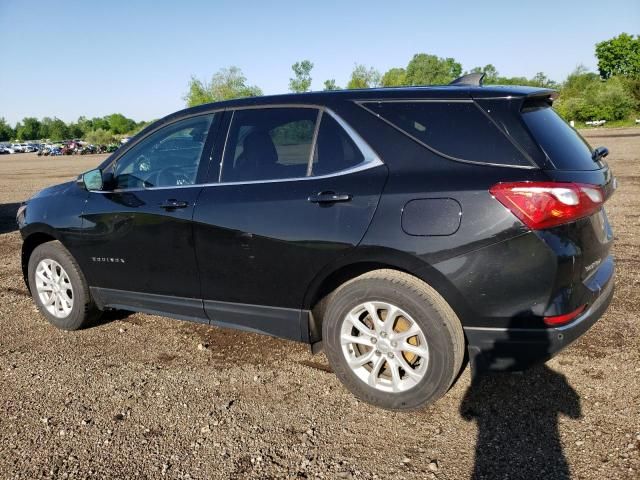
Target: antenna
{"x": 469, "y": 80}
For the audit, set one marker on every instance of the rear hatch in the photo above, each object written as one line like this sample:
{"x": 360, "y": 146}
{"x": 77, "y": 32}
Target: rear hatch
{"x": 571, "y": 218}
{"x": 571, "y": 159}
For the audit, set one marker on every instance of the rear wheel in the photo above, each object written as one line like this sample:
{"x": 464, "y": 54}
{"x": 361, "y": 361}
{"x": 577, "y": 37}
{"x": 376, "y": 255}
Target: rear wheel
{"x": 59, "y": 287}
{"x": 393, "y": 340}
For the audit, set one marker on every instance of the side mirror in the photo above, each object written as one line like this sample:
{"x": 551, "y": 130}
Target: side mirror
{"x": 91, "y": 180}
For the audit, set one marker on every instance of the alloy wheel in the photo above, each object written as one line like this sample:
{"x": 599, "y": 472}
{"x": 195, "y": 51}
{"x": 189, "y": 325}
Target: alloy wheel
{"x": 384, "y": 346}
{"x": 54, "y": 288}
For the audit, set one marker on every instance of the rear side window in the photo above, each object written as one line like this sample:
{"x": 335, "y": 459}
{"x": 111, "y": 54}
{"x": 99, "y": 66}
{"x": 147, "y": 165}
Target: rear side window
{"x": 459, "y": 130}
{"x": 268, "y": 144}
{"x": 564, "y": 147}
{"x": 335, "y": 150}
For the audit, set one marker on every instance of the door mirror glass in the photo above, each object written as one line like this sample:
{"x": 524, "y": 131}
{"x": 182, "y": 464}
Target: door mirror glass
{"x": 93, "y": 179}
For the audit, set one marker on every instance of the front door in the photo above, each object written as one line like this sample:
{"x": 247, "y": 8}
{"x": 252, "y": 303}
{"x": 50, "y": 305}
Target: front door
{"x": 296, "y": 192}
{"x": 137, "y": 233}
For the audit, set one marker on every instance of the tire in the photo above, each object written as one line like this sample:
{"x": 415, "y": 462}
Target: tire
{"x": 407, "y": 380}
{"x": 53, "y": 257}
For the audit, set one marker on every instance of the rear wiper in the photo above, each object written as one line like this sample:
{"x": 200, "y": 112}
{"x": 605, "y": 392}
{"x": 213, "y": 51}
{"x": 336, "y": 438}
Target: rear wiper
{"x": 599, "y": 153}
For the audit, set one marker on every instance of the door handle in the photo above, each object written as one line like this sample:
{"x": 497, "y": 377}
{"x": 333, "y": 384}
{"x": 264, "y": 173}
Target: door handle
{"x": 173, "y": 204}
{"x": 329, "y": 197}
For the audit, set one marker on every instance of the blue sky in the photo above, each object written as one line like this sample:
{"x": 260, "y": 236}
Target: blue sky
{"x": 71, "y": 58}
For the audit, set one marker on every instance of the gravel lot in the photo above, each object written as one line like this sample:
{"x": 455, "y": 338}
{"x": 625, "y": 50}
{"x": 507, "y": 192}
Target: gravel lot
{"x": 149, "y": 397}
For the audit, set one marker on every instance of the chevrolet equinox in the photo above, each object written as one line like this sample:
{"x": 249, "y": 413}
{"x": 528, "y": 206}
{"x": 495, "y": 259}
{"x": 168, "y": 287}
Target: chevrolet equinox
{"x": 404, "y": 231}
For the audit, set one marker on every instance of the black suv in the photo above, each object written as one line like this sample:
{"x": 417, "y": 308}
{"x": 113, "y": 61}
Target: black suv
{"x": 402, "y": 230}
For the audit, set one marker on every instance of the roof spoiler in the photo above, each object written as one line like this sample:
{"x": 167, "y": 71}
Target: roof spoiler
{"x": 469, "y": 80}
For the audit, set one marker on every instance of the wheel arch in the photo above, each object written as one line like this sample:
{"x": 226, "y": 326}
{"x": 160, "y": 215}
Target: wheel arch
{"x": 368, "y": 259}
{"x": 32, "y": 241}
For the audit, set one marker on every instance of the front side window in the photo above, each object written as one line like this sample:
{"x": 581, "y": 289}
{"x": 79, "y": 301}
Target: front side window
{"x": 169, "y": 157}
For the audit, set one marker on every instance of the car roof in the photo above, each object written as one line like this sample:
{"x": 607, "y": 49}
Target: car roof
{"x": 373, "y": 94}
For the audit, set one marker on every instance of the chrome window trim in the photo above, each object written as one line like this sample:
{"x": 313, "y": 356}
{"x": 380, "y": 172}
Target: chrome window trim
{"x": 314, "y": 139}
{"x": 361, "y": 103}
{"x": 371, "y": 158}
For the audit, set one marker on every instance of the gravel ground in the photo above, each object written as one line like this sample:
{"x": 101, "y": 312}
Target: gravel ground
{"x": 149, "y": 397}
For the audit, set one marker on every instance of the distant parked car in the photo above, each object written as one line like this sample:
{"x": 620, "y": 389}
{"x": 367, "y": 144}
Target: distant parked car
{"x": 17, "y": 147}
{"x": 29, "y": 148}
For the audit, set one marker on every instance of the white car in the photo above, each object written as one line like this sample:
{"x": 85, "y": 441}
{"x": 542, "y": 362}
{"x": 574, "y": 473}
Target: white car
{"x": 18, "y": 147}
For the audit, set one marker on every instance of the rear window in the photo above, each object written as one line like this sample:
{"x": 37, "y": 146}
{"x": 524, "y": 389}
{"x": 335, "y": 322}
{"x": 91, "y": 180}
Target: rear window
{"x": 459, "y": 130}
{"x": 565, "y": 147}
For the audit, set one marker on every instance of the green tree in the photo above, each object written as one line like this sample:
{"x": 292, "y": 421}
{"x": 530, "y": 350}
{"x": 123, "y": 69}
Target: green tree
{"x": 330, "y": 85}
{"x": 490, "y": 73}
{"x": 584, "y": 96}
{"x": 302, "y": 76}
{"x": 45, "y": 128}
{"x": 119, "y": 124}
{"x": 227, "y": 84}
{"x": 58, "y": 130}
{"x": 424, "y": 69}
{"x": 619, "y": 56}
{"x": 363, "y": 77}
{"x": 394, "y": 77}
{"x": 28, "y": 129}
{"x": 99, "y": 136}
{"x": 6, "y": 132}
{"x": 97, "y": 122}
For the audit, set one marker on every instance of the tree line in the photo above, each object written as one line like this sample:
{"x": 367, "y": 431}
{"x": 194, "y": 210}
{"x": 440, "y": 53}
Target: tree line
{"x": 612, "y": 94}
{"x": 98, "y": 130}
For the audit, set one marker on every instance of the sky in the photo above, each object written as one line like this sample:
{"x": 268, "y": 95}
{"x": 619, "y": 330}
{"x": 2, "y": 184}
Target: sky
{"x": 92, "y": 58}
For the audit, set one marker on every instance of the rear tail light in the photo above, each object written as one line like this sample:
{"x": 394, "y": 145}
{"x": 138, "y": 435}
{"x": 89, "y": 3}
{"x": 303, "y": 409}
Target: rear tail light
{"x": 562, "y": 319}
{"x": 547, "y": 204}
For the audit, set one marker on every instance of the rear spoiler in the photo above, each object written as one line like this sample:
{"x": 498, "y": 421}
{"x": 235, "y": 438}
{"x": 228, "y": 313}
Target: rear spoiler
{"x": 542, "y": 98}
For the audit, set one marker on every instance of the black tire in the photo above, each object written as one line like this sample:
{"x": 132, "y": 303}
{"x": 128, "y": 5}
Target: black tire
{"x": 428, "y": 309}
{"x": 83, "y": 311}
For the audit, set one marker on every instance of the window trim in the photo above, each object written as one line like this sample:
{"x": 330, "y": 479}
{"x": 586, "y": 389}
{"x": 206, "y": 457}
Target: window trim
{"x": 527, "y": 157}
{"x": 371, "y": 158}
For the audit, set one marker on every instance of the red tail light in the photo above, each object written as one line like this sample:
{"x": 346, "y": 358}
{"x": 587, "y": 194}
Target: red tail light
{"x": 562, "y": 319}
{"x": 547, "y": 204}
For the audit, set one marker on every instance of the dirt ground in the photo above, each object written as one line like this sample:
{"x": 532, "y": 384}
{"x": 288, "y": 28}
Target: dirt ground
{"x": 137, "y": 397}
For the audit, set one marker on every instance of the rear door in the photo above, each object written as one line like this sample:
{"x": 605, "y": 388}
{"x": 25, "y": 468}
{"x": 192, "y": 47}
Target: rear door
{"x": 297, "y": 189}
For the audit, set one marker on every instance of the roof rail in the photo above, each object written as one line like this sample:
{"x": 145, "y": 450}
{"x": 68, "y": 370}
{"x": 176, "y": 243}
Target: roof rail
{"x": 469, "y": 80}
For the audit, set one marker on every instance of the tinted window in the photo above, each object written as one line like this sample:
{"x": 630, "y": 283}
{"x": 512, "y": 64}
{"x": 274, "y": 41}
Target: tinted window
{"x": 566, "y": 149}
{"x": 335, "y": 150}
{"x": 168, "y": 157}
{"x": 457, "y": 129}
{"x": 268, "y": 144}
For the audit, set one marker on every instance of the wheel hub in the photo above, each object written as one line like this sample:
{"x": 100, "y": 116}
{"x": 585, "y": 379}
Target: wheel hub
{"x": 384, "y": 346}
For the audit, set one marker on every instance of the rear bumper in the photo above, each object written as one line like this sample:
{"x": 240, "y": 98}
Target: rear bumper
{"x": 520, "y": 348}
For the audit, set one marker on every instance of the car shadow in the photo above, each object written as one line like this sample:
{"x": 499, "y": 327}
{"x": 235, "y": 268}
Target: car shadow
{"x": 8, "y": 217}
{"x": 517, "y": 416}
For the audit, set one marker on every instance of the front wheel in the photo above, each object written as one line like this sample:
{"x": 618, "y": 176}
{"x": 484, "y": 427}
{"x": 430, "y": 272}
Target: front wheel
{"x": 393, "y": 340}
{"x": 59, "y": 288}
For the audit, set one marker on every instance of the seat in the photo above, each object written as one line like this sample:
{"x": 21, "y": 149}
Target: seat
{"x": 258, "y": 160}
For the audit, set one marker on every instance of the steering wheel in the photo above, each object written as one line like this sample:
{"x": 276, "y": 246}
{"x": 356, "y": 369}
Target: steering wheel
{"x": 168, "y": 177}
